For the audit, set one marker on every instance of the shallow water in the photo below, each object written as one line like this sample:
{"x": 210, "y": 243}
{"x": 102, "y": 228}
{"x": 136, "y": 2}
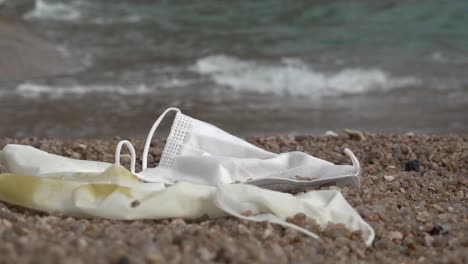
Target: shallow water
{"x": 252, "y": 68}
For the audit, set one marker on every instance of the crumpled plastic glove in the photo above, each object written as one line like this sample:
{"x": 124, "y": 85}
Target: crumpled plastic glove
{"x": 117, "y": 193}
{"x": 27, "y": 160}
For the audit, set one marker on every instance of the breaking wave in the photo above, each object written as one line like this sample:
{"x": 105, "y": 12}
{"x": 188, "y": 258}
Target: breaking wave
{"x": 77, "y": 12}
{"x": 54, "y": 11}
{"x": 294, "y": 77}
{"x": 35, "y": 90}
{"x": 31, "y": 90}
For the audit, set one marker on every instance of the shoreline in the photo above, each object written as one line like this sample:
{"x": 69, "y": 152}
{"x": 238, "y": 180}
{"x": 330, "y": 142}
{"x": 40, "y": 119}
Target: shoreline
{"x": 418, "y": 216}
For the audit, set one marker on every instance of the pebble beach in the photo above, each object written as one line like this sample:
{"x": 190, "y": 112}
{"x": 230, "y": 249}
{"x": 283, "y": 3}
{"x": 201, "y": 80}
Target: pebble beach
{"x": 414, "y": 193}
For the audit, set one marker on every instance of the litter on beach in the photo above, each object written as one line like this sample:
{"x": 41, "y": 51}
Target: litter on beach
{"x": 203, "y": 171}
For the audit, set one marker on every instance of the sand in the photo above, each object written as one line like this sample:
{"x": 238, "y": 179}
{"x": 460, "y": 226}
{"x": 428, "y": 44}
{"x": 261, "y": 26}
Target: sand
{"x": 414, "y": 194}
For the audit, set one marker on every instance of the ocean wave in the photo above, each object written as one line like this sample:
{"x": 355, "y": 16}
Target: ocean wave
{"x": 79, "y": 12}
{"x": 34, "y": 90}
{"x": 115, "y": 20}
{"x": 294, "y": 77}
{"x": 445, "y": 58}
{"x": 31, "y": 90}
{"x": 54, "y": 11}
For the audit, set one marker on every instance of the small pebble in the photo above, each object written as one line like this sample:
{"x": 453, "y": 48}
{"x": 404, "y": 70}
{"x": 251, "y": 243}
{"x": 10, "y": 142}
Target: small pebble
{"x": 389, "y": 177}
{"x": 247, "y": 213}
{"x": 242, "y": 229}
{"x": 437, "y": 207}
{"x": 268, "y": 232}
{"x": 178, "y": 221}
{"x": 125, "y": 157}
{"x": 412, "y": 165}
{"x": 123, "y": 260}
{"x": 82, "y": 146}
{"x": 6, "y": 223}
{"x": 135, "y": 203}
{"x": 395, "y": 235}
{"x": 205, "y": 254}
{"x": 154, "y": 258}
{"x": 462, "y": 181}
{"x": 436, "y": 230}
{"x": 330, "y": 133}
{"x": 428, "y": 240}
{"x": 423, "y": 217}
{"x": 355, "y": 134}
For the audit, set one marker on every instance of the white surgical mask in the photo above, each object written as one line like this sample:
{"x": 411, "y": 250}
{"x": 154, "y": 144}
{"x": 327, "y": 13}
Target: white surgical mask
{"x": 203, "y": 159}
{"x": 201, "y": 153}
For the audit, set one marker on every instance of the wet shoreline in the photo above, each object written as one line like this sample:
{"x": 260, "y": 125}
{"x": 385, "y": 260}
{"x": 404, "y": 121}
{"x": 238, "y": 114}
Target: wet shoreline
{"x": 250, "y": 115}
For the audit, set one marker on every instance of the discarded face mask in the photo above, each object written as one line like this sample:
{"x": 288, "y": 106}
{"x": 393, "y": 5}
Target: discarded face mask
{"x": 118, "y": 194}
{"x": 199, "y": 152}
{"x": 193, "y": 179}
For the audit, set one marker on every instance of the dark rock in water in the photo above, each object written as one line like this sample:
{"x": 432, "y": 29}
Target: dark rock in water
{"x": 14, "y": 9}
{"x": 24, "y": 55}
{"x": 412, "y": 165}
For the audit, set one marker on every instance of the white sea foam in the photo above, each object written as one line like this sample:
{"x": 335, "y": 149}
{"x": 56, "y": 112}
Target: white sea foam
{"x": 31, "y": 90}
{"x": 113, "y": 20}
{"x": 34, "y": 90}
{"x": 445, "y": 58}
{"x": 54, "y": 11}
{"x": 294, "y": 77}
{"x": 75, "y": 11}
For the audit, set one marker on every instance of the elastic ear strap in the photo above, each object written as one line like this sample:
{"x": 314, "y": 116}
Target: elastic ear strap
{"x": 144, "y": 162}
{"x": 130, "y": 147}
{"x": 356, "y": 165}
{"x": 353, "y": 158}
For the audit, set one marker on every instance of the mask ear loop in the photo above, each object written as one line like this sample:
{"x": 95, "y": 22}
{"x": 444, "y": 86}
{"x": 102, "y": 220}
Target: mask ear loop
{"x": 130, "y": 147}
{"x": 144, "y": 161}
{"x": 356, "y": 165}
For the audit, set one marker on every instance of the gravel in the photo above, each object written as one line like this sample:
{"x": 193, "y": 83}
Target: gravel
{"x": 419, "y": 214}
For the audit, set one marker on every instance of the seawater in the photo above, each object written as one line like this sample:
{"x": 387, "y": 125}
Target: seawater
{"x": 254, "y": 67}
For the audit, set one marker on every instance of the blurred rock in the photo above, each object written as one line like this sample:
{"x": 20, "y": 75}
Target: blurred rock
{"x": 330, "y": 133}
{"x": 395, "y": 235}
{"x": 389, "y": 177}
{"x": 24, "y": 55}
{"x": 355, "y": 134}
{"x": 14, "y": 9}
